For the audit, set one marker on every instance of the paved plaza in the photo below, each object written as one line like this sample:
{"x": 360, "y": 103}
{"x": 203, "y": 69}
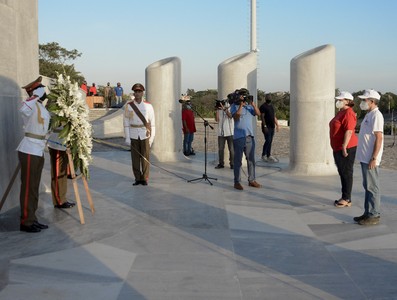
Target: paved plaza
{"x": 176, "y": 240}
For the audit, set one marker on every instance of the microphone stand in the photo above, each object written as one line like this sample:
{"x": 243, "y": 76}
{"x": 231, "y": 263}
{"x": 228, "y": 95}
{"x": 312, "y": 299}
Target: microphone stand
{"x": 206, "y": 124}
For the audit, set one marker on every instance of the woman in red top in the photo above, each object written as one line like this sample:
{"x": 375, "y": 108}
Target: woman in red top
{"x": 189, "y": 128}
{"x": 344, "y": 144}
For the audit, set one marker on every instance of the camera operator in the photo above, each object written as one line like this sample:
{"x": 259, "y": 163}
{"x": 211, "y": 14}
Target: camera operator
{"x": 244, "y": 110}
{"x": 225, "y": 132}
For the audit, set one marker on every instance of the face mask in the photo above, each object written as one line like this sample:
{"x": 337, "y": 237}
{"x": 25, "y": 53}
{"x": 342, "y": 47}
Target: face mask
{"x": 339, "y": 104}
{"x": 364, "y": 105}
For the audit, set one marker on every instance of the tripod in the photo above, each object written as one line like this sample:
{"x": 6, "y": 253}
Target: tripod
{"x": 205, "y": 176}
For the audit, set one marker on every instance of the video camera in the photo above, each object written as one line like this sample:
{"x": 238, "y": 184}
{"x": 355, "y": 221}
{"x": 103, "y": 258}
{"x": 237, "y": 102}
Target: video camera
{"x": 185, "y": 99}
{"x": 236, "y": 98}
{"x": 220, "y": 103}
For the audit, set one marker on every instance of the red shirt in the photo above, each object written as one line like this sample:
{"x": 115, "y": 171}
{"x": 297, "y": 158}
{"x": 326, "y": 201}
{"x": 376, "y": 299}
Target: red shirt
{"x": 188, "y": 117}
{"x": 84, "y": 87}
{"x": 344, "y": 120}
{"x": 93, "y": 90}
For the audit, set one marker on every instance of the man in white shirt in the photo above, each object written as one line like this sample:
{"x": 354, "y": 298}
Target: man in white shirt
{"x": 225, "y": 133}
{"x": 139, "y": 133}
{"x": 369, "y": 154}
{"x": 36, "y": 121}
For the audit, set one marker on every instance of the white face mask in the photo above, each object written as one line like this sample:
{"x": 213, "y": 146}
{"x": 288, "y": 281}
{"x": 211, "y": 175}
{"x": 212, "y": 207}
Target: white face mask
{"x": 339, "y": 104}
{"x": 364, "y": 105}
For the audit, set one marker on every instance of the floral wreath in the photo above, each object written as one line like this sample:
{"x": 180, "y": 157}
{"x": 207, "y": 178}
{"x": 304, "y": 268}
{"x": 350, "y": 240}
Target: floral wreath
{"x": 69, "y": 110}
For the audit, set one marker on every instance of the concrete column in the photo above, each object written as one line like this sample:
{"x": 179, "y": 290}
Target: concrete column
{"x": 163, "y": 90}
{"x": 19, "y": 65}
{"x": 312, "y": 107}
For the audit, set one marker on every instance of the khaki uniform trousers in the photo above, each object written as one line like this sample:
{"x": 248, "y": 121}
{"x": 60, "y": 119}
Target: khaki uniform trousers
{"x": 140, "y": 167}
{"x": 31, "y": 168}
{"x": 59, "y": 180}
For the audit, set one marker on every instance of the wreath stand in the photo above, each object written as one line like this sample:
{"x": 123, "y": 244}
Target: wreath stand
{"x": 76, "y": 189}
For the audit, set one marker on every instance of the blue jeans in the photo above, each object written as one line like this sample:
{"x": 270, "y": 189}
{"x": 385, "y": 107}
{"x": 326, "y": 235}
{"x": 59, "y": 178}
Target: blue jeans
{"x": 372, "y": 191}
{"x": 247, "y": 146}
{"x": 187, "y": 142}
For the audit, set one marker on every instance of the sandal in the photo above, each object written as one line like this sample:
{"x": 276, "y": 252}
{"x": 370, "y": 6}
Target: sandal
{"x": 342, "y": 203}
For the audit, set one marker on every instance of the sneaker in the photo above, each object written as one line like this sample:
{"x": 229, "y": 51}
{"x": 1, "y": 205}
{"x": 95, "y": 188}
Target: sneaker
{"x": 369, "y": 221}
{"x": 271, "y": 159}
{"x": 264, "y": 158}
{"x": 219, "y": 166}
{"x": 238, "y": 186}
{"x": 253, "y": 183}
{"x": 358, "y": 219}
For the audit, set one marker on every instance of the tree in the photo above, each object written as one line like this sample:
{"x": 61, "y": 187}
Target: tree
{"x": 53, "y": 59}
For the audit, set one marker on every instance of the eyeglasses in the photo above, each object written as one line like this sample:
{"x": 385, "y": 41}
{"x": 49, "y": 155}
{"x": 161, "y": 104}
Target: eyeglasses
{"x": 138, "y": 91}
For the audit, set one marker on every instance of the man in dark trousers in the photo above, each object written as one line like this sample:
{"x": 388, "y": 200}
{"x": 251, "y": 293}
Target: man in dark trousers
{"x": 139, "y": 129}
{"x": 269, "y": 126}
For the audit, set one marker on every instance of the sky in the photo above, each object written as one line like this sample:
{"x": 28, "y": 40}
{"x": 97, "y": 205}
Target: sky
{"x": 118, "y": 39}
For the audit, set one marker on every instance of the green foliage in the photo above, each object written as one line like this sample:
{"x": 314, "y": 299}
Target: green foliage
{"x": 204, "y": 102}
{"x": 53, "y": 60}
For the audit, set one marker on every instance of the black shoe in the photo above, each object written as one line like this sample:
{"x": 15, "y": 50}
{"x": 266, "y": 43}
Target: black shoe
{"x": 30, "y": 228}
{"x": 186, "y": 154}
{"x": 219, "y": 166}
{"x": 137, "y": 182}
{"x": 143, "y": 182}
{"x": 231, "y": 167}
{"x": 70, "y": 176}
{"x": 358, "y": 219}
{"x": 192, "y": 153}
{"x": 65, "y": 205}
{"x": 39, "y": 225}
{"x": 369, "y": 221}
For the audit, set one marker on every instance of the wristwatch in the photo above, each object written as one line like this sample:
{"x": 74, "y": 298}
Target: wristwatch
{"x": 373, "y": 158}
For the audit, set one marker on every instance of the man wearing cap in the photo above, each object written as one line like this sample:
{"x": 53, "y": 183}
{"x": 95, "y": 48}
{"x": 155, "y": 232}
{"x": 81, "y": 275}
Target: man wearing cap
{"x": 139, "y": 129}
{"x": 36, "y": 120}
{"x": 344, "y": 144}
{"x": 369, "y": 154}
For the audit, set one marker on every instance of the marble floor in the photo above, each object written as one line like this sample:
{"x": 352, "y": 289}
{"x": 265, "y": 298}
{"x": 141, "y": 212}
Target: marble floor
{"x": 175, "y": 239}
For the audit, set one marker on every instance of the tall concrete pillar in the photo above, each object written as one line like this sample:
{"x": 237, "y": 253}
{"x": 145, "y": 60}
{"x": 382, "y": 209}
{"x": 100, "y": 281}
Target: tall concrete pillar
{"x": 312, "y": 107}
{"x": 239, "y": 71}
{"x": 163, "y": 90}
{"x": 19, "y": 65}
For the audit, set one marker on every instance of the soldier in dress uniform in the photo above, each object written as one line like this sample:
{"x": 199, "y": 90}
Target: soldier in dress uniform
{"x": 36, "y": 120}
{"x": 139, "y": 129}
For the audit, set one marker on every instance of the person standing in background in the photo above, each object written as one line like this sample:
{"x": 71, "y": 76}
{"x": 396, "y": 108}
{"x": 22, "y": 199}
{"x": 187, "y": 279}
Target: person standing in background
{"x": 369, "y": 154}
{"x": 119, "y": 92}
{"x": 225, "y": 134}
{"x": 269, "y": 126}
{"x": 93, "y": 91}
{"x": 344, "y": 145}
{"x": 84, "y": 87}
{"x": 188, "y": 127}
{"x": 108, "y": 94}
